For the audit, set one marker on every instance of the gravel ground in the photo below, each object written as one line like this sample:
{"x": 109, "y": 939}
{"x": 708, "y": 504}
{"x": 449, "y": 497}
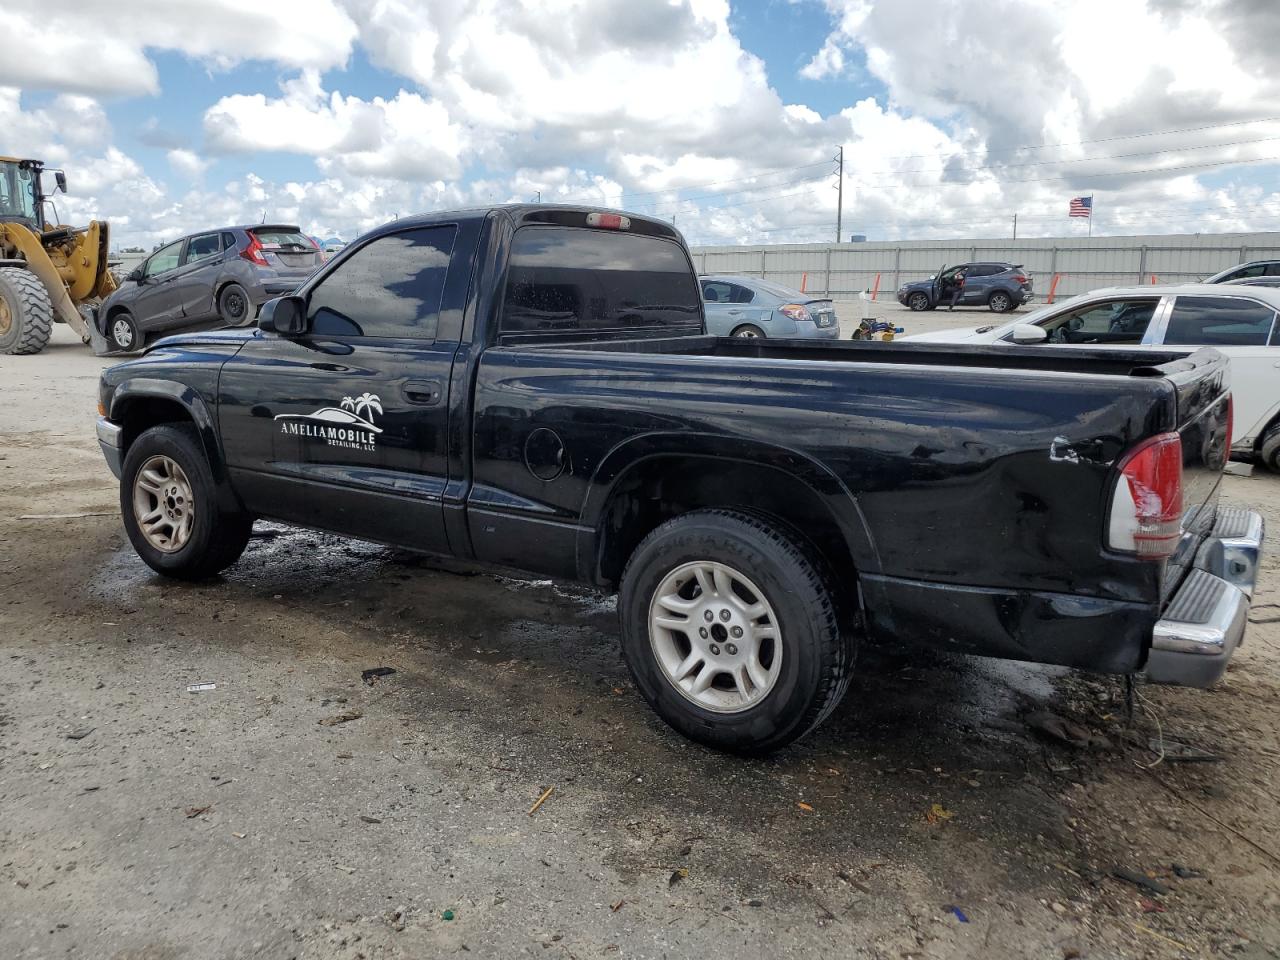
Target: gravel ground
{"x": 925, "y": 819}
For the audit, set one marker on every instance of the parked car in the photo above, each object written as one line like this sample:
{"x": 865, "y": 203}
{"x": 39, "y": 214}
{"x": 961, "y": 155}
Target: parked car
{"x": 1239, "y": 322}
{"x": 331, "y": 248}
{"x": 998, "y": 286}
{"x": 533, "y": 386}
{"x": 750, "y": 307}
{"x": 1256, "y": 273}
{"x": 217, "y": 276}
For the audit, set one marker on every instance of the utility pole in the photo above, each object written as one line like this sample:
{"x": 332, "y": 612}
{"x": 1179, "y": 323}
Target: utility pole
{"x": 1015, "y": 226}
{"x": 539, "y": 200}
{"x": 839, "y": 158}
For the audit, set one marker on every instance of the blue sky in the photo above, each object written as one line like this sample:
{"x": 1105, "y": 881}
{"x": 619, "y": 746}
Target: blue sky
{"x": 339, "y": 114}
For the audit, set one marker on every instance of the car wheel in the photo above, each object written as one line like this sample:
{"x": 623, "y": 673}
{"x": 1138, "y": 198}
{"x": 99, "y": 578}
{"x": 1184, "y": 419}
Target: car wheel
{"x": 748, "y": 332}
{"x": 1269, "y": 448}
{"x": 234, "y": 306}
{"x": 169, "y": 503}
{"x": 731, "y": 633}
{"x": 1000, "y": 302}
{"x": 123, "y": 332}
{"x": 918, "y": 302}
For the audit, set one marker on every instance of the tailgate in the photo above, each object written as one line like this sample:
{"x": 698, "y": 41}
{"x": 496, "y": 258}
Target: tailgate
{"x": 1203, "y": 401}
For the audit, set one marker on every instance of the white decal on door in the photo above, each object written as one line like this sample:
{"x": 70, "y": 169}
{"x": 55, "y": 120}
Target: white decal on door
{"x": 350, "y": 424}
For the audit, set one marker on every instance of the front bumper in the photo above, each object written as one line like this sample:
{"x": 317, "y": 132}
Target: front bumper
{"x": 109, "y": 439}
{"x": 1206, "y": 620}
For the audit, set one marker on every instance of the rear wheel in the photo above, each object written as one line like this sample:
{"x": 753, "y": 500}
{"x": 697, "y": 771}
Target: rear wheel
{"x": 1269, "y": 448}
{"x": 123, "y": 332}
{"x": 918, "y": 302}
{"x": 169, "y": 503}
{"x": 731, "y": 633}
{"x": 234, "y": 306}
{"x": 26, "y": 312}
{"x": 748, "y": 332}
{"x": 1000, "y": 302}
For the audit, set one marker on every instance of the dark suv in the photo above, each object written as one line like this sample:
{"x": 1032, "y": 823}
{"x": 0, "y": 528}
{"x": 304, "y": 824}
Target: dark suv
{"x": 998, "y": 286}
{"x": 213, "y": 277}
{"x": 1256, "y": 273}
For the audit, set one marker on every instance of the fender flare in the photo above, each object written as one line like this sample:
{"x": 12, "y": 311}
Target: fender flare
{"x": 627, "y": 456}
{"x": 147, "y": 388}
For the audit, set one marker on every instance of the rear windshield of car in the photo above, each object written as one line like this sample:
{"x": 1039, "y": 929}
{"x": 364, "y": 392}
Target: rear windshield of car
{"x": 778, "y": 290}
{"x": 562, "y": 279}
{"x": 272, "y": 239}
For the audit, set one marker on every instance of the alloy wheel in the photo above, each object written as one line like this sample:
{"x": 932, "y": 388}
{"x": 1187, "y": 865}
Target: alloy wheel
{"x": 163, "y": 504}
{"x": 715, "y": 636}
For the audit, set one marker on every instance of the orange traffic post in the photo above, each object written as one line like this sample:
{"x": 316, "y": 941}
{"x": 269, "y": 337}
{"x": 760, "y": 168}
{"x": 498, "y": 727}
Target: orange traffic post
{"x": 1053, "y": 286}
{"x": 876, "y": 288}
{"x": 1154, "y": 281}
{"x": 804, "y": 282}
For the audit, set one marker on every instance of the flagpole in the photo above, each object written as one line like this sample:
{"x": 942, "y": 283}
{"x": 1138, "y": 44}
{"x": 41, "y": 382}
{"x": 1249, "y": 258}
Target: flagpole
{"x": 1091, "y": 214}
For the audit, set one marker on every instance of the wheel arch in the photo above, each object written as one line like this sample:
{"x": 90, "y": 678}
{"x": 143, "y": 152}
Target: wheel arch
{"x": 138, "y": 405}
{"x": 650, "y": 479}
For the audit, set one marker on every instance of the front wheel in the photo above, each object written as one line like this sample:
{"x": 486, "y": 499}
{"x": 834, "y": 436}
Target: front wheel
{"x": 1000, "y": 302}
{"x": 169, "y": 503}
{"x": 730, "y": 631}
{"x": 123, "y": 332}
{"x": 918, "y": 302}
{"x": 234, "y": 306}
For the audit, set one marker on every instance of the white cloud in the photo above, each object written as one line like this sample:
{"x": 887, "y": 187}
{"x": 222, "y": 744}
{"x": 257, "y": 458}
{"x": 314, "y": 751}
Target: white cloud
{"x": 407, "y": 137}
{"x": 103, "y": 48}
{"x": 188, "y": 163}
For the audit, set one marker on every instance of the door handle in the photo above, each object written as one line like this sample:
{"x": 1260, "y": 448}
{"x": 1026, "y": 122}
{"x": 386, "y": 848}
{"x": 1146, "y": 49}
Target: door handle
{"x": 734, "y": 313}
{"x": 425, "y": 393}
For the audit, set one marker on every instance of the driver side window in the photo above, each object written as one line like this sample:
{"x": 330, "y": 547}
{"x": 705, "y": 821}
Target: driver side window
{"x": 1113, "y": 321}
{"x": 163, "y": 260}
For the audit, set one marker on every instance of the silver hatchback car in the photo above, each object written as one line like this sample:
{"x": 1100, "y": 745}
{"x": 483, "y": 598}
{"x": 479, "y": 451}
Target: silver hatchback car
{"x": 217, "y": 277}
{"x": 751, "y": 307}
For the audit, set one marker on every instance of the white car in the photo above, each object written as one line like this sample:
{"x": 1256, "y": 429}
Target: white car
{"x": 1238, "y": 321}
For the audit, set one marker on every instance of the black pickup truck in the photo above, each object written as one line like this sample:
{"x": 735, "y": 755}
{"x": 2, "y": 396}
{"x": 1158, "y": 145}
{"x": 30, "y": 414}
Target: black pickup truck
{"x": 533, "y": 386}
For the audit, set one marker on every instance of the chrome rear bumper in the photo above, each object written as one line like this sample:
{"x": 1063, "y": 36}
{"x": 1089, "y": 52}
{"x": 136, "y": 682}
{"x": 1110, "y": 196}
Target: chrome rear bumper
{"x": 1201, "y": 628}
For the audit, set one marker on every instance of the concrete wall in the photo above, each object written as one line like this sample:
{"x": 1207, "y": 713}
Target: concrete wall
{"x": 1083, "y": 264}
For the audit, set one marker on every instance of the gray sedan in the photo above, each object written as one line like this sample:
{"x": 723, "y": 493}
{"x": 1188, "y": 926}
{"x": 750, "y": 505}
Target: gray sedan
{"x": 751, "y": 307}
{"x": 217, "y": 277}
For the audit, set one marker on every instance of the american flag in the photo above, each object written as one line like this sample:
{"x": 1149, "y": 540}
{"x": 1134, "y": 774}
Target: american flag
{"x": 1081, "y": 207}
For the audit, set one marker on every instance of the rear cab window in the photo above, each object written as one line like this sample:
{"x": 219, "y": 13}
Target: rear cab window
{"x": 572, "y": 280}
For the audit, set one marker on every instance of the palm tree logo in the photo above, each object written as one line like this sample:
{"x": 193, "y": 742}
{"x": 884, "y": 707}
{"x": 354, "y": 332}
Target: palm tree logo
{"x": 368, "y": 402}
{"x": 348, "y": 403}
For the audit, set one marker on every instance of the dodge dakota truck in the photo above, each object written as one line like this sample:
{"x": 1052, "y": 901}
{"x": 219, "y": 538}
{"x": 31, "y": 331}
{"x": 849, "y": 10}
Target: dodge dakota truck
{"x": 533, "y": 386}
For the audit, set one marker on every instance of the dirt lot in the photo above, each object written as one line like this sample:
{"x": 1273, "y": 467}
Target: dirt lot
{"x": 926, "y": 819}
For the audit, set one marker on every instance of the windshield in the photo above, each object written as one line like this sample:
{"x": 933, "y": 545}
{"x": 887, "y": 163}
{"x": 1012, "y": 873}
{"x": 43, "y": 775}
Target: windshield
{"x": 17, "y": 191}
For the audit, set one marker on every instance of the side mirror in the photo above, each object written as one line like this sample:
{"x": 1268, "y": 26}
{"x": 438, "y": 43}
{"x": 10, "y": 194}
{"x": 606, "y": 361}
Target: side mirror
{"x": 1028, "y": 333}
{"x": 284, "y": 315}
{"x": 135, "y": 275}
{"x": 60, "y": 177}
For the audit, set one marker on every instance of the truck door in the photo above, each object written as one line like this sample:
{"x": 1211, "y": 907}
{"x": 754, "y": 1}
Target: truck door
{"x": 345, "y": 427}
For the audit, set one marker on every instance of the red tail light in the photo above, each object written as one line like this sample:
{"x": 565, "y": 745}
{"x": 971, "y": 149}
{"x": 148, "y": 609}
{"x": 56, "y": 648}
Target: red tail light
{"x": 1019, "y": 279}
{"x": 1146, "y": 507}
{"x": 253, "y": 252}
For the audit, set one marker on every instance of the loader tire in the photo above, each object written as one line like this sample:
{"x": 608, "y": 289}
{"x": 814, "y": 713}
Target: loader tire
{"x": 26, "y": 312}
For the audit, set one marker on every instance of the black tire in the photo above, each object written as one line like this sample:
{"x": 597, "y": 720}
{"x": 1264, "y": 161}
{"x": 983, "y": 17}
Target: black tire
{"x": 1000, "y": 302}
{"x": 748, "y": 331}
{"x": 26, "y": 312}
{"x": 122, "y": 332}
{"x": 234, "y": 306}
{"x": 218, "y": 536}
{"x": 1269, "y": 448}
{"x": 918, "y": 302}
{"x": 816, "y": 656}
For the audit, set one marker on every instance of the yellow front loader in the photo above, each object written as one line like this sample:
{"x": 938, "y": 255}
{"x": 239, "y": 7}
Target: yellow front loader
{"x": 48, "y": 273}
